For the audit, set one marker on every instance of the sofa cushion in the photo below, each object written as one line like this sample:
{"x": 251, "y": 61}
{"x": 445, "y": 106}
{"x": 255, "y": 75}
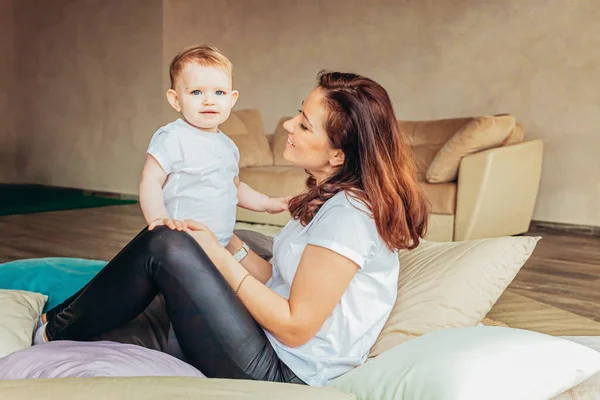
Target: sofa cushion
{"x": 451, "y": 284}
{"x": 245, "y": 128}
{"x": 433, "y": 132}
{"x": 472, "y": 363}
{"x": 441, "y": 196}
{"x": 423, "y": 156}
{"x": 278, "y": 143}
{"x": 275, "y": 181}
{"x": 479, "y": 134}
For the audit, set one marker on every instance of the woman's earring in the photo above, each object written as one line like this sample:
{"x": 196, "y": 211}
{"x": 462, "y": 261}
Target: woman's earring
{"x": 332, "y": 163}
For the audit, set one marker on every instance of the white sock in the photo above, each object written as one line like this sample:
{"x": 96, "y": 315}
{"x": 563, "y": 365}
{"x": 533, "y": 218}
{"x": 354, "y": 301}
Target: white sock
{"x": 38, "y": 333}
{"x": 39, "y": 324}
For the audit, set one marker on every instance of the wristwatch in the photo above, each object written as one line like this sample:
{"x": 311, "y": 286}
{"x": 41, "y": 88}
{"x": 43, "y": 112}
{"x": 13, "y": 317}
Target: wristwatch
{"x": 241, "y": 253}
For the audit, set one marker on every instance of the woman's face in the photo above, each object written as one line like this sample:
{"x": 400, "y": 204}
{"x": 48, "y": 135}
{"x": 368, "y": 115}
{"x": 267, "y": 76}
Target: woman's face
{"x": 308, "y": 145}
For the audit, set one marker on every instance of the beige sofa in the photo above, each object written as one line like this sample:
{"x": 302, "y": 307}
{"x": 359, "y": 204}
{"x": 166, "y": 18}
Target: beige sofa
{"x": 479, "y": 174}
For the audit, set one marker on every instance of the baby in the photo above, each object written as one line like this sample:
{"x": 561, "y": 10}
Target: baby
{"x": 191, "y": 169}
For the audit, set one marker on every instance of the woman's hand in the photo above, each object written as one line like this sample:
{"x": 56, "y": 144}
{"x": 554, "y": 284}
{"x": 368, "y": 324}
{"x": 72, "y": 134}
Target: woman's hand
{"x": 173, "y": 224}
{"x": 206, "y": 239}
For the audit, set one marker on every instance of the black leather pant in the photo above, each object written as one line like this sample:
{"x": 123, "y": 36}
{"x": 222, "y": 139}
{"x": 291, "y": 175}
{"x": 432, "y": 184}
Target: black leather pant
{"x": 216, "y": 333}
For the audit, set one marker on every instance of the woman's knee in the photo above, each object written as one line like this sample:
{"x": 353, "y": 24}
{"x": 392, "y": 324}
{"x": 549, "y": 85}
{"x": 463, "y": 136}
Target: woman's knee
{"x": 163, "y": 240}
{"x": 175, "y": 248}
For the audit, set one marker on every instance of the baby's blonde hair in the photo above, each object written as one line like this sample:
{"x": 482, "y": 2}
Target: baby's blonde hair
{"x": 205, "y": 55}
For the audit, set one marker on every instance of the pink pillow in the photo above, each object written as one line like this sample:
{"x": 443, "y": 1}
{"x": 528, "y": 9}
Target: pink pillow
{"x": 63, "y": 359}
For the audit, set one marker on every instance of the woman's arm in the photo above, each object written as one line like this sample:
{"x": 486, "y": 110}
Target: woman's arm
{"x": 320, "y": 281}
{"x": 259, "y": 268}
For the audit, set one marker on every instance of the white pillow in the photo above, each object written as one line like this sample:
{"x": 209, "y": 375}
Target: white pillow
{"x": 19, "y": 313}
{"x": 593, "y": 342}
{"x": 473, "y": 363}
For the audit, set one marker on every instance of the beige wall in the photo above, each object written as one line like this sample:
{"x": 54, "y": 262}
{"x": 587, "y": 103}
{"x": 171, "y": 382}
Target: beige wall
{"x": 536, "y": 59}
{"x": 8, "y": 144}
{"x": 91, "y": 96}
{"x": 93, "y": 74}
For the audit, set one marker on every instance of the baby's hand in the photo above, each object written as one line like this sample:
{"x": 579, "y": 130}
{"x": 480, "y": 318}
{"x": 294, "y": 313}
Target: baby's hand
{"x": 173, "y": 224}
{"x": 277, "y": 204}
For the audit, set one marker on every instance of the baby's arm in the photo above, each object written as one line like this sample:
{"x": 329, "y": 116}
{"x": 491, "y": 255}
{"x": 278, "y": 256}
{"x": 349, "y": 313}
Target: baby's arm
{"x": 151, "y": 195}
{"x": 252, "y": 200}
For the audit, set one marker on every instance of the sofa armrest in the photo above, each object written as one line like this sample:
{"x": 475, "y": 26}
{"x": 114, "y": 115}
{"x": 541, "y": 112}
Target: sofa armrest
{"x": 497, "y": 190}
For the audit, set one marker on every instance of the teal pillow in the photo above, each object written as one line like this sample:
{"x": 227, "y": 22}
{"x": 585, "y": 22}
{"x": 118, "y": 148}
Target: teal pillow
{"x": 58, "y": 278}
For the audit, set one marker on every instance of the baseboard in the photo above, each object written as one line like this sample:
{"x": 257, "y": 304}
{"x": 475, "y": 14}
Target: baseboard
{"x": 87, "y": 192}
{"x": 120, "y": 196}
{"x": 588, "y": 230}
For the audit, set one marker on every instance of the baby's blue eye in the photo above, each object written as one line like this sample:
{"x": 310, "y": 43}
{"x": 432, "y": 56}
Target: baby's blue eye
{"x": 220, "y": 93}
{"x": 196, "y": 92}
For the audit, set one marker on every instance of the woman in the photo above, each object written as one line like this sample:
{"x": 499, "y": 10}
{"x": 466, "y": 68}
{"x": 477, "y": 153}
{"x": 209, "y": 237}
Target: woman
{"x": 316, "y": 311}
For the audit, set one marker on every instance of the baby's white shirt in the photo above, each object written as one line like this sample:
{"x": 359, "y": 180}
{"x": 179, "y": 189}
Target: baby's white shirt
{"x": 201, "y": 168}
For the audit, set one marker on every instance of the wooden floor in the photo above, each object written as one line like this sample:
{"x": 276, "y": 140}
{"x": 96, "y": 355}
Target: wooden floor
{"x": 560, "y": 282}
{"x": 564, "y": 271}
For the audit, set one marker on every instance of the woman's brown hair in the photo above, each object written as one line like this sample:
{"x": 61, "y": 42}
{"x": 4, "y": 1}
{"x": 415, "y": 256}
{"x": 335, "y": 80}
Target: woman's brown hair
{"x": 378, "y": 167}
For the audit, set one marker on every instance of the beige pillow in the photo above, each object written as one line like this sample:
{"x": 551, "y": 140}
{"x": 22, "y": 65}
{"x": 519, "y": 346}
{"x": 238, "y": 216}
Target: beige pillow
{"x": 245, "y": 128}
{"x": 479, "y": 134}
{"x": 517, "y": 135}
{"x": 451, "y": 285}
{"x": 278, "y": 143}
{"x": 426, "y": 138}
{"x": 19, "y": 313}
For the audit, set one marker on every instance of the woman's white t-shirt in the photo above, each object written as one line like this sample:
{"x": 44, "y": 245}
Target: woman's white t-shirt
{"x": 342, "y": 225}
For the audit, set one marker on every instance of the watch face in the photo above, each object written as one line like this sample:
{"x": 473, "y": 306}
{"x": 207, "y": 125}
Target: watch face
{"x": 241, "y": 253}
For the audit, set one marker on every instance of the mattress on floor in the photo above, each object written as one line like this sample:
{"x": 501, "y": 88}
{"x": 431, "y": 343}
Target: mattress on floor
{"x": 148, "y": 388}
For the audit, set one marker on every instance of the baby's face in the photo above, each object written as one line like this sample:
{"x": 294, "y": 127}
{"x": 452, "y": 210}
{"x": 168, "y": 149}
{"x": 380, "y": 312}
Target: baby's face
{"x": 205, "y": 96}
